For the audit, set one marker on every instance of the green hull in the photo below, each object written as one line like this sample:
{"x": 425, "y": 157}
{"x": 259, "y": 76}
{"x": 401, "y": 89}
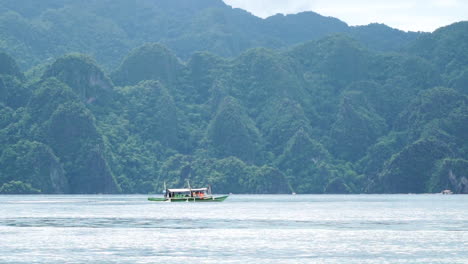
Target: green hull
{"x": 189, "y": 199}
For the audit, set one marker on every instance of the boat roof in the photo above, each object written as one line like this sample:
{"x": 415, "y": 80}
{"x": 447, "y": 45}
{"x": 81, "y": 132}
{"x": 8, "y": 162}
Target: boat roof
{"x": 188, "y": 190}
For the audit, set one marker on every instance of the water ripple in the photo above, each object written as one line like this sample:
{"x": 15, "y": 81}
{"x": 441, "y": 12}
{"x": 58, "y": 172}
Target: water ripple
{"x": 178, "y": 223}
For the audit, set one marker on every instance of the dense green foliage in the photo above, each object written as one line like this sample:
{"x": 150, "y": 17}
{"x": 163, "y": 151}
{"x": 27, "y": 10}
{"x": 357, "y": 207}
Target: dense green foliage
{"x": 338, "y": 113}
{"x": 37, "y": 32}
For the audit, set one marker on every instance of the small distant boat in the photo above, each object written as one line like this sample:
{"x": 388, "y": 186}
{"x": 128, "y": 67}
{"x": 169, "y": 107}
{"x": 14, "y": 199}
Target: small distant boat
{"x": 189, "y": 195}
{"x": 447, "y": 192}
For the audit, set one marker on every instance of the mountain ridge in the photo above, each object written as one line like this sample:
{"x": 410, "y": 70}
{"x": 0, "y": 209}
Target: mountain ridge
{"x": 107, "y": 29}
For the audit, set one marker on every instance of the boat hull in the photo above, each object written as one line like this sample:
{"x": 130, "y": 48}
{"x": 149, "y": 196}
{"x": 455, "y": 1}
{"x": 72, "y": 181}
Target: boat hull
{"x": 190, "y": 199}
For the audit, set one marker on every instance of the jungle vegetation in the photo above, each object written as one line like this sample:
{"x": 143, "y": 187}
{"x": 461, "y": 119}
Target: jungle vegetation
{"x": 122, "y": 96}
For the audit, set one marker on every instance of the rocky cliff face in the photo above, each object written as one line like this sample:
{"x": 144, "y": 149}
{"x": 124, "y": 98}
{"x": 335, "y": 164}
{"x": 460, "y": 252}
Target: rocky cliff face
{"x": 459, "y": 183}
{"x": 36, "y": 164}
{"x": 97, "y": 176}
{"x": 81, "y": 74}
{"x": 73, "y": 135}
{"x": 57, "y": 176}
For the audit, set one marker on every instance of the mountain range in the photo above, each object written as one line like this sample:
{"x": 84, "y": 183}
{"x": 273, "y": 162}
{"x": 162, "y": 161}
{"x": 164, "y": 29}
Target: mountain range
{"x": 119, "y": 96}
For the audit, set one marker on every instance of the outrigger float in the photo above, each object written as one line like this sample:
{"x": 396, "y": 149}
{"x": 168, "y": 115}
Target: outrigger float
{"x": 188, "y": 195}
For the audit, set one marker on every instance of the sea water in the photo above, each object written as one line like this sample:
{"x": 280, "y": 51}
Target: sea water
{"x": 242, "y": 229}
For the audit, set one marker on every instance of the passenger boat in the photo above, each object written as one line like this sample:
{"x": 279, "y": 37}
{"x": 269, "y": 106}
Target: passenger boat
{"x": 447, "y": 192}
{"x": 188, "y": 195}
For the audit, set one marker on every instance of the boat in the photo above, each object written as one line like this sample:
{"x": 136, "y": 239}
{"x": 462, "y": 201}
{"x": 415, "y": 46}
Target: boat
{"x": 188, "y": 195}
{"x": 447, "y": 192}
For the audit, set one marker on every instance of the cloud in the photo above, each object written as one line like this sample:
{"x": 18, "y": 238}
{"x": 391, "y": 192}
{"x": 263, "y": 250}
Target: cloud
{"x": 446, "y": 3}
{"x": 414, "y": 15}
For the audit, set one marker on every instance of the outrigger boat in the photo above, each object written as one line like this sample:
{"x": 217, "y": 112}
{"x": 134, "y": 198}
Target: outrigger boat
{"x": 188, "y": 195}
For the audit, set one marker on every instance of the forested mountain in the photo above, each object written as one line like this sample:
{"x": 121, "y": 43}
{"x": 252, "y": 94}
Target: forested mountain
{"x": 37, "y": 32}
{"x": 224, "y": 98}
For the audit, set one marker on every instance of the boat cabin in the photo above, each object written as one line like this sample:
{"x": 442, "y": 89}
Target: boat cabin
{"x": 183, "y": 193}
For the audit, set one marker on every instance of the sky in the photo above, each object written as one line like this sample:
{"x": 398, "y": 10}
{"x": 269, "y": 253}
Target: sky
{"x": 407, "y": 15}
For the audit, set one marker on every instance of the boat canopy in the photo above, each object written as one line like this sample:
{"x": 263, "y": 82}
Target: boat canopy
{"x": 178, "y": 190}
{"x": 199, "y": 190}
{"x": 187, "y": 190}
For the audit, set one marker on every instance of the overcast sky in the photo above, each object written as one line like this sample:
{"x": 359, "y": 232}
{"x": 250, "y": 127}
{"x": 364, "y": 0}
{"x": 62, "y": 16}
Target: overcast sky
{"x": 408, "y": 15}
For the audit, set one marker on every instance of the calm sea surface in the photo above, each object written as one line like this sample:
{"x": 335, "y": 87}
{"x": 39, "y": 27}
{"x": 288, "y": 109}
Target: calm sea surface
{"x": 243, "y": 229}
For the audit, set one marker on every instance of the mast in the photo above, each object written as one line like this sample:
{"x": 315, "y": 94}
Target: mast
{"x": 190, "y": 188}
